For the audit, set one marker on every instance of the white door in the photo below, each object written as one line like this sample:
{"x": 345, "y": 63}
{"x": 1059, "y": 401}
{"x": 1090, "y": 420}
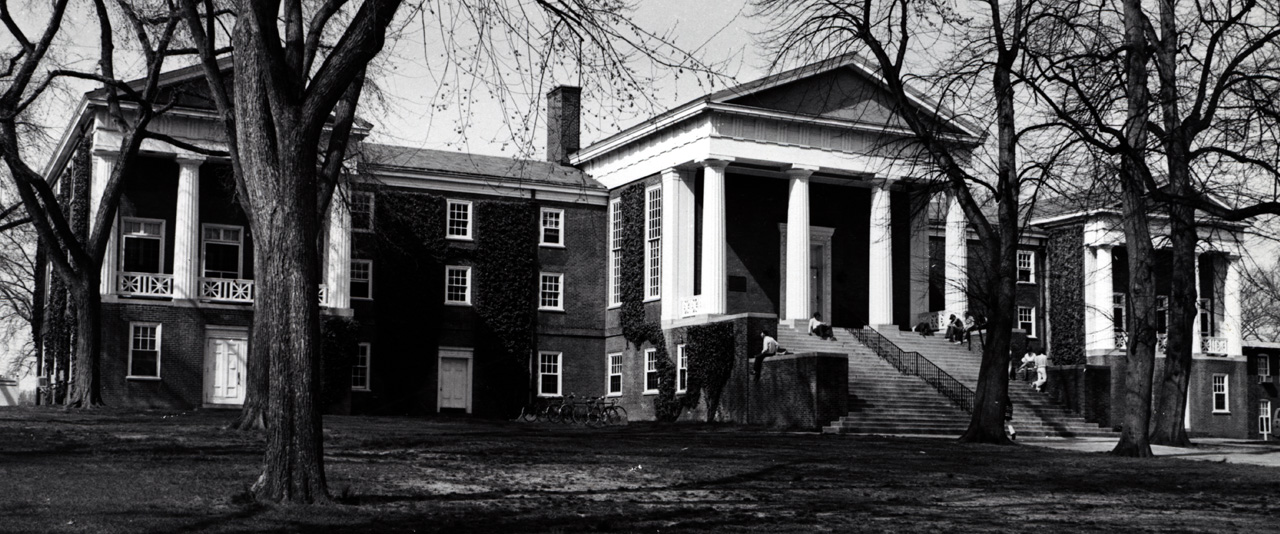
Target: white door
{"x": 455, "y": 380}
{"x": 224, "y": 381}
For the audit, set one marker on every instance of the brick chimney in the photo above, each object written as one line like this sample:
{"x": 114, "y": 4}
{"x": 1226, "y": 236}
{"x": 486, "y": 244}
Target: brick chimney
{"x": 564, "y": 104}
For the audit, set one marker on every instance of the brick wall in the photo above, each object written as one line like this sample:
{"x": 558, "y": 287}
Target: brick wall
{"x": 181, "y": 383}
{"x": 802, "y": 391}
{"x": 1083, "y": 389}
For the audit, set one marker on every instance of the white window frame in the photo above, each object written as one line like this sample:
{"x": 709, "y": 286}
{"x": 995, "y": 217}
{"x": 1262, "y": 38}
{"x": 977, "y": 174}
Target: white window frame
{"x": 159, "y": 330}
{"x": 1264, "y": 418}
{"x": 1122, "y": 305}
{"x": 1224, "y": 391}
{"x": 542, "y": 227}
{"x": 653, "y": 243}
{"x": 1030, "y": 268}
{"x": 558, "y": 372}
{"x": 615, "y": 253}
{"x": 613, "y": 362}
{"x": 559, "y": 292}
{"x": 1264, "y": 368}
{"x": 448, "y": 219}
{"x": 651, "y": 366}
{"x": 135, "y": 235}
{"x": 352, "y": 278}
{"x": 447, "y": 270}
{"x": 362, "y": 198}
{"x": 363, "y": 351}
{"x": 682, "y": 369}
{"x": 1031, "y": 311}
{"x": 204, "y": 268}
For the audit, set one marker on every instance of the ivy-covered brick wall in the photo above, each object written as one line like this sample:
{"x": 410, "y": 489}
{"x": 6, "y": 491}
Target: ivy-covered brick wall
{"x": 1065, "y": 265}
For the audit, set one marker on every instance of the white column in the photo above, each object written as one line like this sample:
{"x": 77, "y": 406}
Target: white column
{"x": 103, "y": 164}
{"x": 675, "y": 197}
{"x": 798, "y": 268}
{"x": 1197, "y": 344}
{"x": 880, "y": 269}
{"x": 686, "y": 237}
{"x": 714, "y": 246}
{"x": 338, "y": 252}
{"x": 957, "y": 258}
{"x": 186, "y": 230}
{"x": 1231, "y": 306}
{"x": 1102, "y": 336}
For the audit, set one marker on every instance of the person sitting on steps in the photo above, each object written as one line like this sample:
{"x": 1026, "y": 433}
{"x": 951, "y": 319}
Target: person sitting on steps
{"x": 770, "y": 348}
{"x": 819, "y": 328}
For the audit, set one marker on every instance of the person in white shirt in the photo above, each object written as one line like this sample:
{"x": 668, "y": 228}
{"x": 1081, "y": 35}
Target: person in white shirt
{"x": 1042, "y": 371}
{"x": 770, "y": 347}
{"x": 819, "y": 328}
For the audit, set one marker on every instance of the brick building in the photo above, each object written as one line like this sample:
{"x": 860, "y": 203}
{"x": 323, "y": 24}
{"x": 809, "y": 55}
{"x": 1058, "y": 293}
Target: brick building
{"x": 757, "y": 205}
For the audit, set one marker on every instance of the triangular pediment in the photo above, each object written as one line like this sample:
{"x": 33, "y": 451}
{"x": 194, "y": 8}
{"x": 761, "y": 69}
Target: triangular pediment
{"x": 842, "y": 89}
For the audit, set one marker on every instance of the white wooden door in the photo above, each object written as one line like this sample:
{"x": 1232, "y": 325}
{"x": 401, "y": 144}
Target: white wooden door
{"x": 225, "y": 370}
{"x": 455, "y": 380}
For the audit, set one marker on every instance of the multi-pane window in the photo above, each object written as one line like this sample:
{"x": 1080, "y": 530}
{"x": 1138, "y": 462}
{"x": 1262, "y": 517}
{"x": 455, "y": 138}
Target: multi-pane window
{"x": 1264, "y": 418}
{"x": 1221, "y": 390}
{"x": 360, "y": 369}
{"x": 457, "y": 284}
{"x": 1026, "y": 266}
{"x": 1205, "y": 308}
{"x": 552, "y": 227}
{"x": 615, "y": 374}
{"x": 458, "y": 225}
{"x": 651, "y": 370}
{"x": 551, "y": 292}
{"x": 653, "y": 243}
{"x": 682, "y": 371}
{"x": 142, "y": 245}
{"x": 615, "y": 252}
{"x": 144, "y": 350}
{"x": 361, "y": 279}
{"x": 1264, "y": 369}
{"x": 1027, "y": 320}
{"x": 549, "y": 374}
{"x": 1117, "y": 312}
{"x": 362, "y": 211}
{"x": 222, "y": 251}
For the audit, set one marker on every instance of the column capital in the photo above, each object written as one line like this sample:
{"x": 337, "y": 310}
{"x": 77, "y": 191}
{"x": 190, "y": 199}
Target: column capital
{"x": 675, "y": 172}
{"x": 106, "y": 153}
{"x": 716, "y": 162}
{"x": 187, "y": 159}
{"x": 800, "y": 171}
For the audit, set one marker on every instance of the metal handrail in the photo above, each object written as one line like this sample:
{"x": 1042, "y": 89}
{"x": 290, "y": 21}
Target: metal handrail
{"x": 914, "y": 364}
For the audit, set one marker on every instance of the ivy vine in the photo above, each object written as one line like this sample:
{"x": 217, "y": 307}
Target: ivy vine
{"x": 710, "y": 349}
{"x": 1066, "y": 291}
{"x": 506, "y": 274}
{"x": 411, "y": 226}
{"x": 338, "y": 346}
{"x": 632, "y": 316}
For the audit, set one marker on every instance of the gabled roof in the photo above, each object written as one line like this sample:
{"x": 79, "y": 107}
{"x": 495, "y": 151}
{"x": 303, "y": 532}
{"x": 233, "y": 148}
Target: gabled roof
{"x": 756, "y": 94}
{"x": 428, "y": 161}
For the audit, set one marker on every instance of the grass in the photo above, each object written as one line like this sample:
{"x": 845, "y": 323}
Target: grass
{"x": 116, "y": 471}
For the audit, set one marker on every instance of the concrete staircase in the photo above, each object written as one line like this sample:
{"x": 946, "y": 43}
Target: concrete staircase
{"x": 1034, "y": 414}
{"x": 881, "y": 399}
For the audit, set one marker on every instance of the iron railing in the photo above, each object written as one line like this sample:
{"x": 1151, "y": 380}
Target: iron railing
{"x": 914, "y": 364}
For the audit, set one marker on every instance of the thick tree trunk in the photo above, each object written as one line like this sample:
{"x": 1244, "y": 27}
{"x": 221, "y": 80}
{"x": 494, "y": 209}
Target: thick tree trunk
{"x": 253, "y": 414}
{"x": 1171, "y": 400}
{"x": 86, "y": 391}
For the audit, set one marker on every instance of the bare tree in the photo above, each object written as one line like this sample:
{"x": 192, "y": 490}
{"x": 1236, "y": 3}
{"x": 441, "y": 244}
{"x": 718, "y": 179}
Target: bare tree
{"x": 1260, "y": 294}
{"x": 988, "y": 45}
{"x": 130, "y": 109}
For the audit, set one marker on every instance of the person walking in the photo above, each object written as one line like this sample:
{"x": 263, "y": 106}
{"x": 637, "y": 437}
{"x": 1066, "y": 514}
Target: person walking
{"x": 1042, "y": 371}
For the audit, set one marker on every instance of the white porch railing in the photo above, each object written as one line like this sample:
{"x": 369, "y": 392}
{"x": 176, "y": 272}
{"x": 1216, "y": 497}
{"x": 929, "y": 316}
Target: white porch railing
{"x": 689, "y": 307}
{"x": 324, "y": 295}
{"x": 1214, "y": 345}
{"x": 226, "y": 289}
{"x": 1122, "y": 340}
{"x": 145, "y": 284}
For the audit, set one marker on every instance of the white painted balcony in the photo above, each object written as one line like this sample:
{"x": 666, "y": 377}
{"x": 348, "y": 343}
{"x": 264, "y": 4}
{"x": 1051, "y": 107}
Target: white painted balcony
{"x": 226, "y": 290}
{"x": 324, "y": 295}
{"x": 1214, "y": 345}
{"x": 689, "y": 307}
{"x": 144, "y": 284}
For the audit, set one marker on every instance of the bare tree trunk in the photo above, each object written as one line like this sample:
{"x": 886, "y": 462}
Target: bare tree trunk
{"x": 85, "y": 390}
{"x": 253, "y": 414}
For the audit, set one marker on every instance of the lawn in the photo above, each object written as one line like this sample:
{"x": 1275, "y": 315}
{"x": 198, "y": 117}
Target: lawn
{"x": 116, "y": 471}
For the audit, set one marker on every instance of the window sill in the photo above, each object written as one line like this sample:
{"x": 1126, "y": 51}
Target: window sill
{"x": 549, "y": 245}
{"x": 550, "y": 396}
{"x": 1221, "y": 412}
{"x": 614, "y": 395}
{"x": 552, "y": 310}
{"x": 458, "y": 238}
{"x": 1031, "y": 283}
{"x": 613, "y": 306}
{"x": 651, "y": 299}
{"x": 360, "y": 390}
{"x": 143, "y": 378}
{"x": 464, "y": 304}
{"x": 650, "y": 392}
{"x": 361, "y": 298}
